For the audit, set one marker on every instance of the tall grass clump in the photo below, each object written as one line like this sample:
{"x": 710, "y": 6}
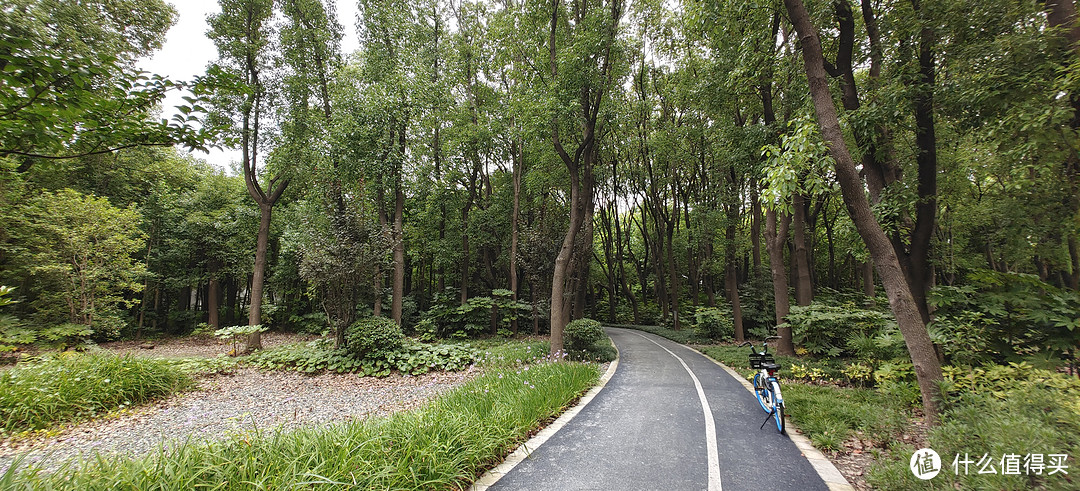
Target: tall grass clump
{"x": 75, "y": 385}
{"x": 443, "y": 445}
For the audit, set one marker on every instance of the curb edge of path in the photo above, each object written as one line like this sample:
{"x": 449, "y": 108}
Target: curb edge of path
{"x": 824, "y": 467}
{"x": 525, "y": 449}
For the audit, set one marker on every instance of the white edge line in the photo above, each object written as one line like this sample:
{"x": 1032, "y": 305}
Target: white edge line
{"x": 824, "y": 467}
{"x": 710, "y": 424}
{"x": 522, "y": 452}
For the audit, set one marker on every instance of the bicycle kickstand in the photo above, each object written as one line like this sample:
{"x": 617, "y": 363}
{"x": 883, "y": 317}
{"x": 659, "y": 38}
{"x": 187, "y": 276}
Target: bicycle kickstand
{"x": 767, "y": 418}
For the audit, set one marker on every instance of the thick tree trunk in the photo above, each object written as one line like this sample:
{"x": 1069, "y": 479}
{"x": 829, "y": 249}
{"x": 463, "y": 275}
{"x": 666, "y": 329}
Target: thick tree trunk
{"x": 923, "y": 355}
{"x": 776, "y": 230}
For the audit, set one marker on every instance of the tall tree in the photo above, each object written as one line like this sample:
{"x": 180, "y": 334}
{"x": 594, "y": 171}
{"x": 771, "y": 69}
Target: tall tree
{"x": 908, "y": 318}
{"x": 581, "y": 67}
{"x": 244, "y": 35}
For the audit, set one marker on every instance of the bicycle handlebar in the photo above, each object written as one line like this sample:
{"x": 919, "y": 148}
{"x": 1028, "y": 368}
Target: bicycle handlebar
{"x": 772, "y": 337}
{"x": 746, "y": 343}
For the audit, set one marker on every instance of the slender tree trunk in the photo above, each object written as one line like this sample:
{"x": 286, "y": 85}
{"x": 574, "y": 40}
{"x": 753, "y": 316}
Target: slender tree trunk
{"x": 755, "y": 227}
{"x": 519, "y": 162}
{"x": 623, "y": 280}
{"x": 254, "y": 340}
{"x": 868, "y": 280}
{"x": 674, "y": 275}
{"x": 1074, "y": 259}
{"x": 776, "y": 230}
{"x": 213, "y": 301}
{"x": 923, "y": 355}
{"x": 399, "y": 255}
{"x": 560, "y": 274}
{"x": 804, "y": 293}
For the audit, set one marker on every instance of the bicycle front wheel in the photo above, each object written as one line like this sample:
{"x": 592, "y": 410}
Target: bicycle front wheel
{"x": 764, "y": 396}
{"x": 779, "y": 416}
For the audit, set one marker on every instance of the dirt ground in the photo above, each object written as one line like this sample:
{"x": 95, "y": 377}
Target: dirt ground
{"x": 196, "y": 346}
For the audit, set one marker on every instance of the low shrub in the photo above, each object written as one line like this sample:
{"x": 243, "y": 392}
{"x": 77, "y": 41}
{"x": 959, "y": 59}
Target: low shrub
{"x": 311, "y": 357}
{"x": 715, "y": 323}
{"x": 236, "y": 335}
{"x": 36, "y": 395}
{"x": 442, "y": 445}
{"x": 582, "y": 334}
{"x": 373, "y": 338}
{"x": 585, "y": 340}
{"x": 321, "y": 356}
{"x": 422, "y": 358}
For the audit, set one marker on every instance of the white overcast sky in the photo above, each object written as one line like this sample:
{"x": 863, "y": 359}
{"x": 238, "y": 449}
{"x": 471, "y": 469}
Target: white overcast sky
{"x": 187, "y": 51}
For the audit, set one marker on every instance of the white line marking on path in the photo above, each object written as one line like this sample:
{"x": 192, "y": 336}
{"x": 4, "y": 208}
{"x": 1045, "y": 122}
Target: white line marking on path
{"x": 710, "y": 425}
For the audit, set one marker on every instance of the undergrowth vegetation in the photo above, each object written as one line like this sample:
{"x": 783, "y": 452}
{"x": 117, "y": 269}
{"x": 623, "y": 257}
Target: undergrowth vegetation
{"x": 443, "y": 445}
{"x": 70, "y": 386}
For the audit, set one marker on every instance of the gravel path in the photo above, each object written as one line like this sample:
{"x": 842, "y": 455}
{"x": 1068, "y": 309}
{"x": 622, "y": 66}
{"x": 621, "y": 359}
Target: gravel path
{"x": 226, "y": 405}
{"x": 196, "y": 346}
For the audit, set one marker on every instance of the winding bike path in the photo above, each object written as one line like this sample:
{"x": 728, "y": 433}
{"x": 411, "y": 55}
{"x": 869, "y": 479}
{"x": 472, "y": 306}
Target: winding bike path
{"x": 668, "y": 419}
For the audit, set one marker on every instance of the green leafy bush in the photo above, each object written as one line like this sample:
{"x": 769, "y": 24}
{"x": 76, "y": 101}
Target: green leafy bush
{"x": 1006, "y": 317}
{"x": 321, "y": 356}
{"x": 714, "y": 323}
{"x": 582, "y": 334}
{"x": 77, "y": 385}
{"x": 585, "y": 340}
{"x": 374, "y": 338}
{"x": 310, "y": 357}
{"x": 447, "y": 318}
{"x": 824, "y": 329}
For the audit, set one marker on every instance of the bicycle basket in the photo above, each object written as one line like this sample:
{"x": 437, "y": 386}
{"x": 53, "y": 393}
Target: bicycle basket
{"x": 757, "y": 360}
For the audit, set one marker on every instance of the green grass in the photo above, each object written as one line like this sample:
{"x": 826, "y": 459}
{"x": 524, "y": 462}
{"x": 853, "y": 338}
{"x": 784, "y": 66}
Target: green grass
{"x": 500, "y": 353}
{"x": 1037, "y": 414}
{"x": 444, "y": 445}
{"x": 71, "y": 386}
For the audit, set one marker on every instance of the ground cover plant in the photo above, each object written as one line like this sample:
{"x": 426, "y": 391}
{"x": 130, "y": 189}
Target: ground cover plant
{"x": 443, "y": 445}
{"x": 70, "y": 386}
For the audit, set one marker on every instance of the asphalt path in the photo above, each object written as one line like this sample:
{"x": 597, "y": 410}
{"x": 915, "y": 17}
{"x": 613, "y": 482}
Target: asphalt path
{"x": 648, "y": 430}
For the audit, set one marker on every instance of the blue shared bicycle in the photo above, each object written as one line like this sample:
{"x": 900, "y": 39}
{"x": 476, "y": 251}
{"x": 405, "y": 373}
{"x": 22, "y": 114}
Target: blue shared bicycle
{"x": 766, "y": 385}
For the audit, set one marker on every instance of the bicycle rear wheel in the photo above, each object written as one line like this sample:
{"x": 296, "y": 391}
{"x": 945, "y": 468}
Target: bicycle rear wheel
{"x": 778, "y": 412}
{"x": 764, "y": 395}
